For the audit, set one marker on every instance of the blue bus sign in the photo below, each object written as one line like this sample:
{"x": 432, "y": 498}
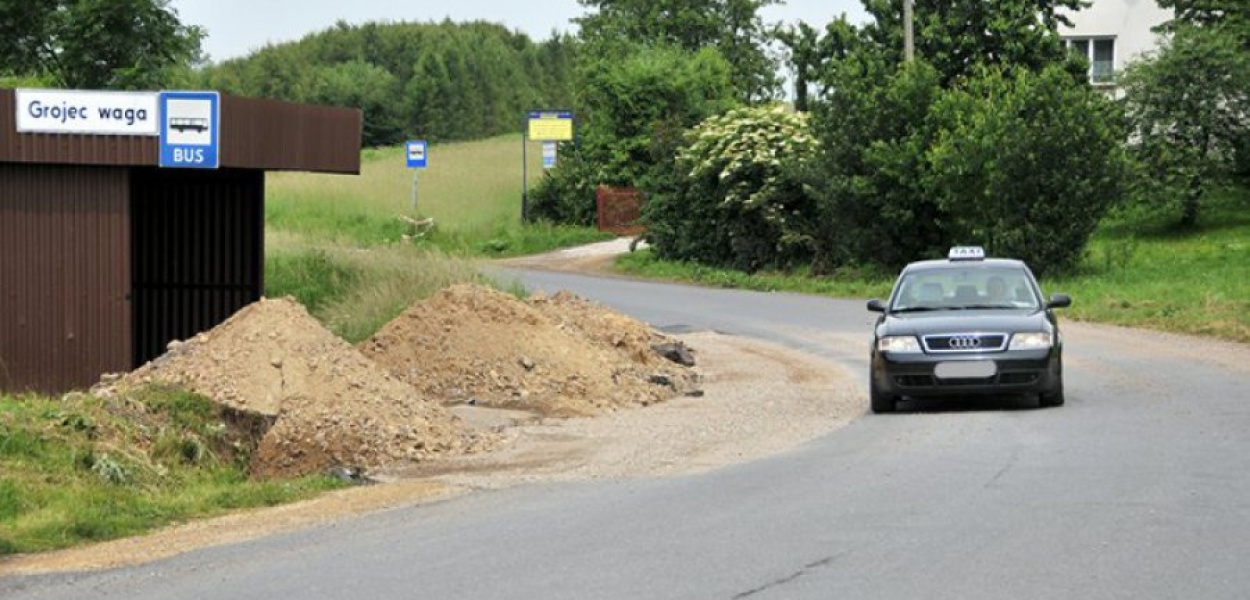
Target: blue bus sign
{"x": 190, "y": 129}
{"x": 417, "y": 153}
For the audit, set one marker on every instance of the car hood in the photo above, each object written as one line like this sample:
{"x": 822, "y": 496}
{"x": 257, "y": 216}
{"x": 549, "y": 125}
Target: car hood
{"x": 922, "y": 323}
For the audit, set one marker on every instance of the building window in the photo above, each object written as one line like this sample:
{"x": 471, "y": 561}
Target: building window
{"x": 1100, "y": 53}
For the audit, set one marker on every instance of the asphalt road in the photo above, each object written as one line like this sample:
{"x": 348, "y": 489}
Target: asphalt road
{"x": 1138, "y": 488}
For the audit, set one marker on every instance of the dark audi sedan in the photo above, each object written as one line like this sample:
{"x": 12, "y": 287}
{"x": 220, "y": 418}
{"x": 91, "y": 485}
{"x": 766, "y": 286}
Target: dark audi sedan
{"x": 966, "y": 326}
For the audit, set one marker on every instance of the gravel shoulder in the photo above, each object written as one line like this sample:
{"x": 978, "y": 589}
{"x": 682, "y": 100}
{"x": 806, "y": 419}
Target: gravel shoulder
{"x": 759, "y": 399}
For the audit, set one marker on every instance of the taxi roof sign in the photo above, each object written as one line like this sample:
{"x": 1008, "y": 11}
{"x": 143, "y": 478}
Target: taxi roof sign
{"x": 967, "y": 253}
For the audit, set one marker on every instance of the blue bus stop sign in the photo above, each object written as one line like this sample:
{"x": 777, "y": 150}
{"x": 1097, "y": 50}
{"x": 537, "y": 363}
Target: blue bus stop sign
{"x": 190, "y": 129}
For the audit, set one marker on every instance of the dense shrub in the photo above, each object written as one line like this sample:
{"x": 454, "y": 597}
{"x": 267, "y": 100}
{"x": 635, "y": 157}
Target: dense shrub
{"x": 869, "y": 179}
{"x": 1024, "y": 165}
{"x": 729, "y": 200}
{"x": 566, "y": 193}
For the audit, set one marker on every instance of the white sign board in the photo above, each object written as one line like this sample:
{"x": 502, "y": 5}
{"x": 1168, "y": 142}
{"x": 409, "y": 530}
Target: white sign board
{"x": 87, "y": 112}
{"x": 550, "y": 150}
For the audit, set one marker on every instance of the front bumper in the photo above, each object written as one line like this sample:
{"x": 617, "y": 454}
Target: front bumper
{"x": 1017, "y": 372}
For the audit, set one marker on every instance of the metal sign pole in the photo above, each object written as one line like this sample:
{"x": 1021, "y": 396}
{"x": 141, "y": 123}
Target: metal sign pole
{"x": 525, "y": 180}
{"x": 414, "y": 193}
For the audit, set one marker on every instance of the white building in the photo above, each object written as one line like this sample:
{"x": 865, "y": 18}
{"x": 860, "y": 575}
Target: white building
{"x": 1111, "y": 33}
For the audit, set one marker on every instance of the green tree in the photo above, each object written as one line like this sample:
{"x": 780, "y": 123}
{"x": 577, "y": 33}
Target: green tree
{"x": 366, "y": 86}
{"x": 445, "y": 80}
{"x": 802, "y": 44}
{"x": 1026, "y": 165}
{"x": 1209, "y": 12}
{"x": 126, "y": 44}
{"x": 869, "y": 177}
{"x": 733, "y": 27}
{"x": 958, "y": 36}
{"x": 1188, "y": 107}
{"x": 1023, "y": 163}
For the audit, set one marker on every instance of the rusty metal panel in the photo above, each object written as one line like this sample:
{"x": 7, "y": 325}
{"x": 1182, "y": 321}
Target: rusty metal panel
{"x": 255, "y": 134}
{"x": 197, "y": 251}
{"x": 64, "y": 276}
{"x": 273, "y": 135}
{"x": 618, "y": 210}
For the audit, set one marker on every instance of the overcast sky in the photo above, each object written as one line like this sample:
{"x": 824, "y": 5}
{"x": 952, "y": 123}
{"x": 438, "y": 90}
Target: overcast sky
{"x": 236, "y": 27}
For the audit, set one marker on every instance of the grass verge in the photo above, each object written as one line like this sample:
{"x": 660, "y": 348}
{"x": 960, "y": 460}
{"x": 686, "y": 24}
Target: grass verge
{"x": 1137, "y": 271}
{"x": 83, "y": 469}
{"x": 849, "y": 282}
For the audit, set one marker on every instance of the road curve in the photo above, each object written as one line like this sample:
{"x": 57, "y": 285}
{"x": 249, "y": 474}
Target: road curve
{"x": 1138, "y": 488}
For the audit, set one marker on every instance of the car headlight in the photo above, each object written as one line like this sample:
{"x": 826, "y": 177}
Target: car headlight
{"x": 898, "y": 343}
{"x": 1030, "y": 341}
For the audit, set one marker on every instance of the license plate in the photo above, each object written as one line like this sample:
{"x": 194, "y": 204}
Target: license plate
{"x": 966, "y": 369}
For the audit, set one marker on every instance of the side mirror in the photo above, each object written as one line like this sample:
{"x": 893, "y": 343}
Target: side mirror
{"x": 875, "y": 305}
{"x": 1059, "y": 301}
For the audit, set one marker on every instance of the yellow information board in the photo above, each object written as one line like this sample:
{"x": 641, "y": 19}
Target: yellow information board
{"x": 550, "y": 126}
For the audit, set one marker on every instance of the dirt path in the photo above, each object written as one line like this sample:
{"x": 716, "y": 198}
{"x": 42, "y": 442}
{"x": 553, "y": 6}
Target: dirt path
{"x": 759, "y": 399}
{"x": 591, "y": 259}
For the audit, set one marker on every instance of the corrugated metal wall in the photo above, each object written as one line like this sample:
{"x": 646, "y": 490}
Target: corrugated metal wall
{"x": 197, "y": 251}
{"x": 64, "y": 275}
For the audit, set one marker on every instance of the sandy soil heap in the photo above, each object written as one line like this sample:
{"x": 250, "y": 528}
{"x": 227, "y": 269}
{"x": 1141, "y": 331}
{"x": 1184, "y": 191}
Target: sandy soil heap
{"x": 559, "y": 356}
{"x": 330, "y": 405}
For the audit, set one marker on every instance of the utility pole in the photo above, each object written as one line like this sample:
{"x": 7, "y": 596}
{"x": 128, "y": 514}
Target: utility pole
{"x": 909, "y": 36}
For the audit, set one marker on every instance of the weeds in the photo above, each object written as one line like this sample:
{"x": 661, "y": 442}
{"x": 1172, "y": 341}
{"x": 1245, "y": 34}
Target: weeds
{"x": 81, "y": 468}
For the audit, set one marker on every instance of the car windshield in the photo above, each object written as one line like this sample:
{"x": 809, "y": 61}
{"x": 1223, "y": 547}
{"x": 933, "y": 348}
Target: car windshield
{"x": 965, "y": 288}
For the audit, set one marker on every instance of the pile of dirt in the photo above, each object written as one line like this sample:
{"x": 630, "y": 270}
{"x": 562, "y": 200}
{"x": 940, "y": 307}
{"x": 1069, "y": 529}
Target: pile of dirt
{"x": 603, "y": 326}
{"x": 559, "y": 356}
{"x": 329, "y": 405}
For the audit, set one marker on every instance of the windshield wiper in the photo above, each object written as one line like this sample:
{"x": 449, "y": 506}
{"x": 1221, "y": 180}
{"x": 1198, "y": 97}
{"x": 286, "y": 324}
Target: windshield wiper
{"x": 989, "y": 307}
{"x": 918, "y": 309}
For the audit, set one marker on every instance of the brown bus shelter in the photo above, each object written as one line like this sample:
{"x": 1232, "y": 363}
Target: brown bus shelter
{"x": 106, "y": 258}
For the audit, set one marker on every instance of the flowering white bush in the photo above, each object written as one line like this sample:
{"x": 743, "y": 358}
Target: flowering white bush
{"x": 733, "y": 198}
{"x": 744, "y": 148}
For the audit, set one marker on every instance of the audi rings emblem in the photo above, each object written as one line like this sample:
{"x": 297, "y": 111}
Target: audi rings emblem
{"x": 965, "y": 342}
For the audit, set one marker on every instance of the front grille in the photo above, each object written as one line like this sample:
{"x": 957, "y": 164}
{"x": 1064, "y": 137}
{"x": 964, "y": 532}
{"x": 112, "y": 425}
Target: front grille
{"x": 965, "y": 342}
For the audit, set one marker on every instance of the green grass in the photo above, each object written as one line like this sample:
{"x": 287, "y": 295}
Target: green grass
{"x": 84, "y": 469}
{"x": 1137, "y": 271}
{"x": 1140, "y": 271}
{"x": 472, "y": 190}
{"x": 850, "y": 282}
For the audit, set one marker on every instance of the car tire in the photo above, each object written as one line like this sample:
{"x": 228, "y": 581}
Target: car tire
{"x": 1053, "y": 397}
{"x": 881, "y": 403}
